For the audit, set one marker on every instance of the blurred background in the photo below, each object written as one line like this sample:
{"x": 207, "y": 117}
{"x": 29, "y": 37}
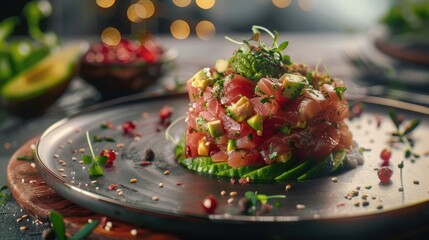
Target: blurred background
{"x": 204, "y": 18}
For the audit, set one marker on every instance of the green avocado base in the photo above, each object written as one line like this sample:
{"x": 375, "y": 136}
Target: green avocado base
{"x": 278, "y": 171}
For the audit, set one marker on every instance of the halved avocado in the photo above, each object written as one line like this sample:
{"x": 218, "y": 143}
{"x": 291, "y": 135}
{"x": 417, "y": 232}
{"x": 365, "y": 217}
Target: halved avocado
{"x": 31, "y": 92}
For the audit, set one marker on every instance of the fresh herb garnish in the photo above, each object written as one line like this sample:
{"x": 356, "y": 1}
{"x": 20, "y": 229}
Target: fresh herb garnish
{"x": 254, "y": 197}
{"x": 96, "y": 138}
{"x": 258, "y": 61}
{"x": 96, "y": 162}
{"x": 273, "y": 155}
{"x": 340, "y": 91}
{"x": 59, "y": 228}
{"x": 265, "y": 100}
{"x": 403, "y": 134}
{"x": 4, "y": 194}
{"x": 28, "y": 158}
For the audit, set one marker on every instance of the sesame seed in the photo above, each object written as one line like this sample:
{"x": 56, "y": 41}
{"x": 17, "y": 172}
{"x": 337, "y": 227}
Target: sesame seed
{"x": 32, "y": 181}
{"x": 81, "y": 162}
{"x": 56, "y": 156}
{"x": 33, "y": 165}
{"x": 207, "y": 144}
{"x": 81, "y": 150}
{"x": 89, "y": 220}
{"x": 120, "y": 145}
{"x": 74, "y": 158}
{"x": 288, "y": 187}
{"x": 70, "y": 141}
{"x": 23, "y": 228}
{"x": 61, "y": 169}
{"x": 61, "y": 161}
{"x": 155, "y": 198}
{"x": 19, "y": 220}
{"x": 334, "y": 179}
{"x": 63, "y": 175}
{"x": 233, "y": 194}
{"x": 416, "y": 182}
{"x": 133, "y": 180}
{"x": 106, "y": 228}
{"x": 94, "y": 181}
{"x": 166, "y": 172}
{"x": 61, "y": 146}
{"x": 230, "y": 200}
{"x": 25, "y": 216}
{"x": 109, "y": 224}
{"x": 133, "y": 232}
{"x": 161, "y": 184}
{"x": 223, "y": 193}
{"x": 120, "y": 193}
{"x": 380, "y": 207}
{"x": 300, "y": 206}
{"x": 357, "y": 204}
{"x": 400, "y": 189}
{"x": 23, "y": 180}
{"x": 365, "y": 203}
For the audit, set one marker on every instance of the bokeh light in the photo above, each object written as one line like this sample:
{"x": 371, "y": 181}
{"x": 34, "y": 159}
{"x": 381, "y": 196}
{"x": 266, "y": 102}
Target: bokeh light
{"x": 205, "y": 30}
{"x": 282, "y": 3}
{"x": 205, "y": 4}
{"x": 182, "y": 3}
{"x": 141, "y": 10}
{"x": 111, "y": 36}
{"x": 105, "y": 3}
{"x": 180, "y": 29}
{"x": 148, "y": 9}
{"x": 306, "y": 5}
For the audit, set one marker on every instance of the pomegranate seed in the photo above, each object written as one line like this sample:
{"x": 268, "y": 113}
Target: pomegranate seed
{"x": 112, "y": 187}
{"x": 165, "y": 113}
{"x": 384, "y": 174}
{"x": 385, "y": 156}
{"x": 128, "y": 127}
{"x": 209, "y": 203}
{"x": 110, "y": 154}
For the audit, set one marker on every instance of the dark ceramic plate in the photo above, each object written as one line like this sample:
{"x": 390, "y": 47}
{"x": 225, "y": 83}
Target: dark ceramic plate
{"x": 327, "y": 211}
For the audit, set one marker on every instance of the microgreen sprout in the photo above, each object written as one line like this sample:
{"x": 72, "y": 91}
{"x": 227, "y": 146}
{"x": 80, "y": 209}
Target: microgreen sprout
{"x": 4, "y": 194}
{"x": 255, "y": 61}
{"x": 96, "y": 162}
{"x": 254, "y": 197}
{"x": 403, "y": 134}
{"x": 59, "y": 228}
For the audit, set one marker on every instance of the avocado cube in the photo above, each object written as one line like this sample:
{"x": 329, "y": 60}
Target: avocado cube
{"x": 232, "y": 145}
{"x": 215, "y": 128}
{"x": 241, "y": 109}
{"x": 202, "y": 79}
{"x": 292, "y": 85}
{"x": 256, "y": 122}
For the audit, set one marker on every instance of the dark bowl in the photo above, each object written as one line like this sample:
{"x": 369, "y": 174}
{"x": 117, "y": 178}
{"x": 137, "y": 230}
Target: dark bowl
{"x": 116, "y": 79}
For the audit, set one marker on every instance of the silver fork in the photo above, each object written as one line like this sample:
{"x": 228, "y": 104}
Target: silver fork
{"x": 384, "y": 80}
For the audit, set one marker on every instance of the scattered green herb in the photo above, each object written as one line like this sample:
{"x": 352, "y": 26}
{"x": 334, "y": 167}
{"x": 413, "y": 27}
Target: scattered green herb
{"x": 96, "y": 138}
{"x": 340, "y": 91}
{"x": 254, "y": 197}
{"x": 96, "y": 162}
{"x": 403, "y": 134}
{"x": 28, "y": 158}
{"x": 4, "y": 195}
{"x": 273, "y": 155}
{"x": 265, "y": 100}
{"x": 59, "y": 228}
